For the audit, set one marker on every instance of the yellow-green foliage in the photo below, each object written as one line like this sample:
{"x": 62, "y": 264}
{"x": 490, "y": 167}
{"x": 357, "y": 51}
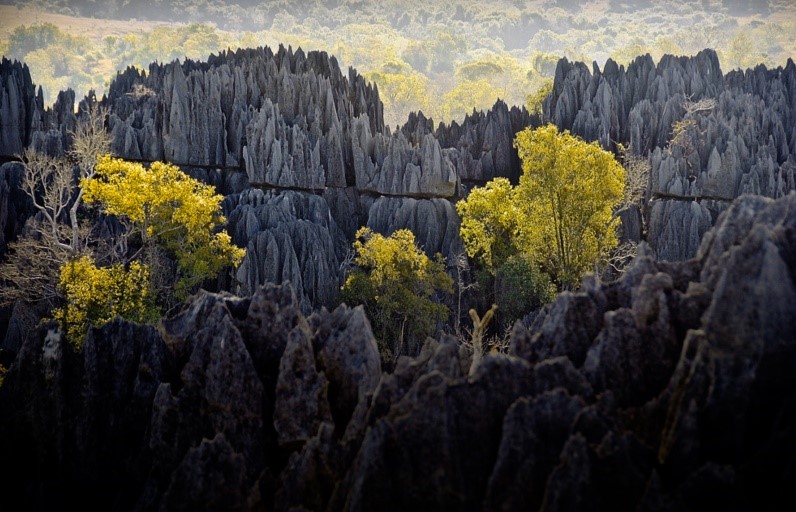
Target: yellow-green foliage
{"x": 567, "y": 192}
{"x": 401, "y": 92}
{"x": 168, "y": 207}
{"x": 559, "y": 218}
{"x": 520, "y": 287}
{"x": 468, "y": 95}
{"x": 97, "y": 295}
{"x": 3, "y": 372}
{"x": 534, "y": 100}
{"x": 490, "y": 219}
{"x": 396, "y": 282}
{"x": 510, "y": 44}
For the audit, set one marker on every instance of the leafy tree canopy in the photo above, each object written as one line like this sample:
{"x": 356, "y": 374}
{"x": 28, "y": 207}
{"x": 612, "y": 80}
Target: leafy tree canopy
{"x": 568, "y": 191}
{"x": 96, "y": 295}
{"x": 561, "y": 215}
{"x": 396, "y": 283}
{"x": 490, "y": 220}
{"x": 166, "y": 206}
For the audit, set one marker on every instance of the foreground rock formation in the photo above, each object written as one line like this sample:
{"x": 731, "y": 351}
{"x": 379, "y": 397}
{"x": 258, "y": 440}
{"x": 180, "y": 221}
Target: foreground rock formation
{"x": 670, "y": 389}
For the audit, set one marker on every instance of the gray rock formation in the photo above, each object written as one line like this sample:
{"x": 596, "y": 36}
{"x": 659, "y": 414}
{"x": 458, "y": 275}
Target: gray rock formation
{"x": 295, "y": 121}
{"x": 289, "y": 236}
{"x": 393, "y": 166}
{"x": 676, "y": 227}
{"x": 15, "y": 206}
{"x": 669, "y": 389}
{"x": 295, "y": 126}
{"x": 484, "y": 142}
{"x": 434, "y": 222}
{"x": 20, "y": 107}
{"x": 741, "y": 145}
{"x": 286, "y": 115}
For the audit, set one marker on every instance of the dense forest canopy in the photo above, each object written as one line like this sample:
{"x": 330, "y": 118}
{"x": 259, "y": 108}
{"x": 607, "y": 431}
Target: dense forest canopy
{"x": 442, "y": 58}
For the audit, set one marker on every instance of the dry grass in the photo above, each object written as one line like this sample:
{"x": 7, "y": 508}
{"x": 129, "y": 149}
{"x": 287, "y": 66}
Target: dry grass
{"x": 12, "y": 17}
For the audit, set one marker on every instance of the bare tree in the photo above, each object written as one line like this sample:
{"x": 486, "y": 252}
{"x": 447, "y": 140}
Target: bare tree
{"x": 54, "y": 235}
{"x": 637, "y": 175}
{"x": 617, "y": 261}
{"x": 462, "y": 269}
{"x": 31, "y": 270}
{"x": 52, "y": 184}
{"x": 686, "y": 130}
{"x": 704, "y": 105}
{"x": 49, "y": 182}
{"x": 500, "y": 342}
{"x": 686, "y": 134}
{"x": 90, "y": 140}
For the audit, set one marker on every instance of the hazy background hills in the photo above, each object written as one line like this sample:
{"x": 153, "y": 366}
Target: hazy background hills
{"x": 442, "y": 58}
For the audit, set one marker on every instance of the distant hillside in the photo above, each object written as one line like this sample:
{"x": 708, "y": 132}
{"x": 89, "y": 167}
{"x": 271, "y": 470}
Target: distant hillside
{"x": 444, "y": 59}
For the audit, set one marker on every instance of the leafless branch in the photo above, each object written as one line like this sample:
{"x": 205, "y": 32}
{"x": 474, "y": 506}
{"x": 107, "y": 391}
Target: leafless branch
{"x": 618, "y": 261}
{"x": 30, "y": 271}
{"x": 462, "y": 265}
{"x": 90, "y": 140}
{"x": 48, "y": 182}
{"x": 704, "y": 105}
{"x": 637, "y": 174}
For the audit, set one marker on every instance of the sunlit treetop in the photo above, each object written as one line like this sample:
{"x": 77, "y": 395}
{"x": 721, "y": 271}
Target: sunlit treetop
{"x": 166, "y": 206}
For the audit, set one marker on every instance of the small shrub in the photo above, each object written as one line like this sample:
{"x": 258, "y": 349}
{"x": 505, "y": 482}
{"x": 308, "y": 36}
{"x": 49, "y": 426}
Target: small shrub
{"x": 520, "y": 287}
{"x": 96, "y": 295}
{"x": 396, "y": 283}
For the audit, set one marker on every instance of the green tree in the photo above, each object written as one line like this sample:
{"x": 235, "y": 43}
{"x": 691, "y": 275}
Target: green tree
{"x": 544, "y": 64}
{"x": 467, "y": 96}
{"x": 534, "y": 101}
{"x": 162, "y": 205}
{"x": 171, "y": 242}
{"x": 520, "y": 287}
{"x": 559, "y": 219}
{"x": 96, "y": 295}
{"x": 57, "y": 233}
{"x": 478, "y": 70}
{"x": 490, "y": 219}
{"x": 491, "y": 222}
{"x": 402, "y": 92}
{"x": 740, "y": 52}
{"x": 568, "y": 192}
{"x": 396, "y": 283}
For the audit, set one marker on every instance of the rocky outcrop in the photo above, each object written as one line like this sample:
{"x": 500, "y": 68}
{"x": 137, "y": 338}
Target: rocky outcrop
{"x": 206, "y": 113}
{"x": 294, "y": 125}
{"x": 315, "y": 142}
{"x": 15, "y": 205}
{"x": 289, "y": 236}
{"x": 54, "y": 135}
{"x": 434, "y": 222}
{"x": 676, "y": 227}
{"x": 484, "y": 143}
{"x": 742, "y": 143}
{"x": 294, "y": 121}
{"x": 20, "y": 107}
{"x": 393, "y": 166}
{"x": 637, "y": 104}
{"x": 669, "y": 389}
